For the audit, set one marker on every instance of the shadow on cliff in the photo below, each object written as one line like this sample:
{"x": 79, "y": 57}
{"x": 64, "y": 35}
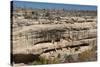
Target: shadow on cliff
{"x": 23, "y": 58}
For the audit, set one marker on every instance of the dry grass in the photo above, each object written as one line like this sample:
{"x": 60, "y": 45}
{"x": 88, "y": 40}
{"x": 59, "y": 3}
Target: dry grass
{"x": 87, "y": 55}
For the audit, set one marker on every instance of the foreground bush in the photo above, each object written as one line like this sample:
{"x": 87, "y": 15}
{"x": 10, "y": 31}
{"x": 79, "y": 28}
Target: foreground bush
{"x": 46, "y": 61}
{"x": 88, "y": 55}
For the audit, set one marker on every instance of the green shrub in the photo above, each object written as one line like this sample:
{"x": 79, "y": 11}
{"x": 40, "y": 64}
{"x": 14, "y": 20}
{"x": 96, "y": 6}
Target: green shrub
{"x": 45, "y": 61}
{"x": 68, "y": 58}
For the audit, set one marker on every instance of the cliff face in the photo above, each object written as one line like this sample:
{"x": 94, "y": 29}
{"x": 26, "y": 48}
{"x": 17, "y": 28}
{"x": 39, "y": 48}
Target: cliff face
{"x": 47, "y": 33}
{"x": 69, "y": 35}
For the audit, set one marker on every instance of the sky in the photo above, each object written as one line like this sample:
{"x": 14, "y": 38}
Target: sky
{"x": 40, "y": 5}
